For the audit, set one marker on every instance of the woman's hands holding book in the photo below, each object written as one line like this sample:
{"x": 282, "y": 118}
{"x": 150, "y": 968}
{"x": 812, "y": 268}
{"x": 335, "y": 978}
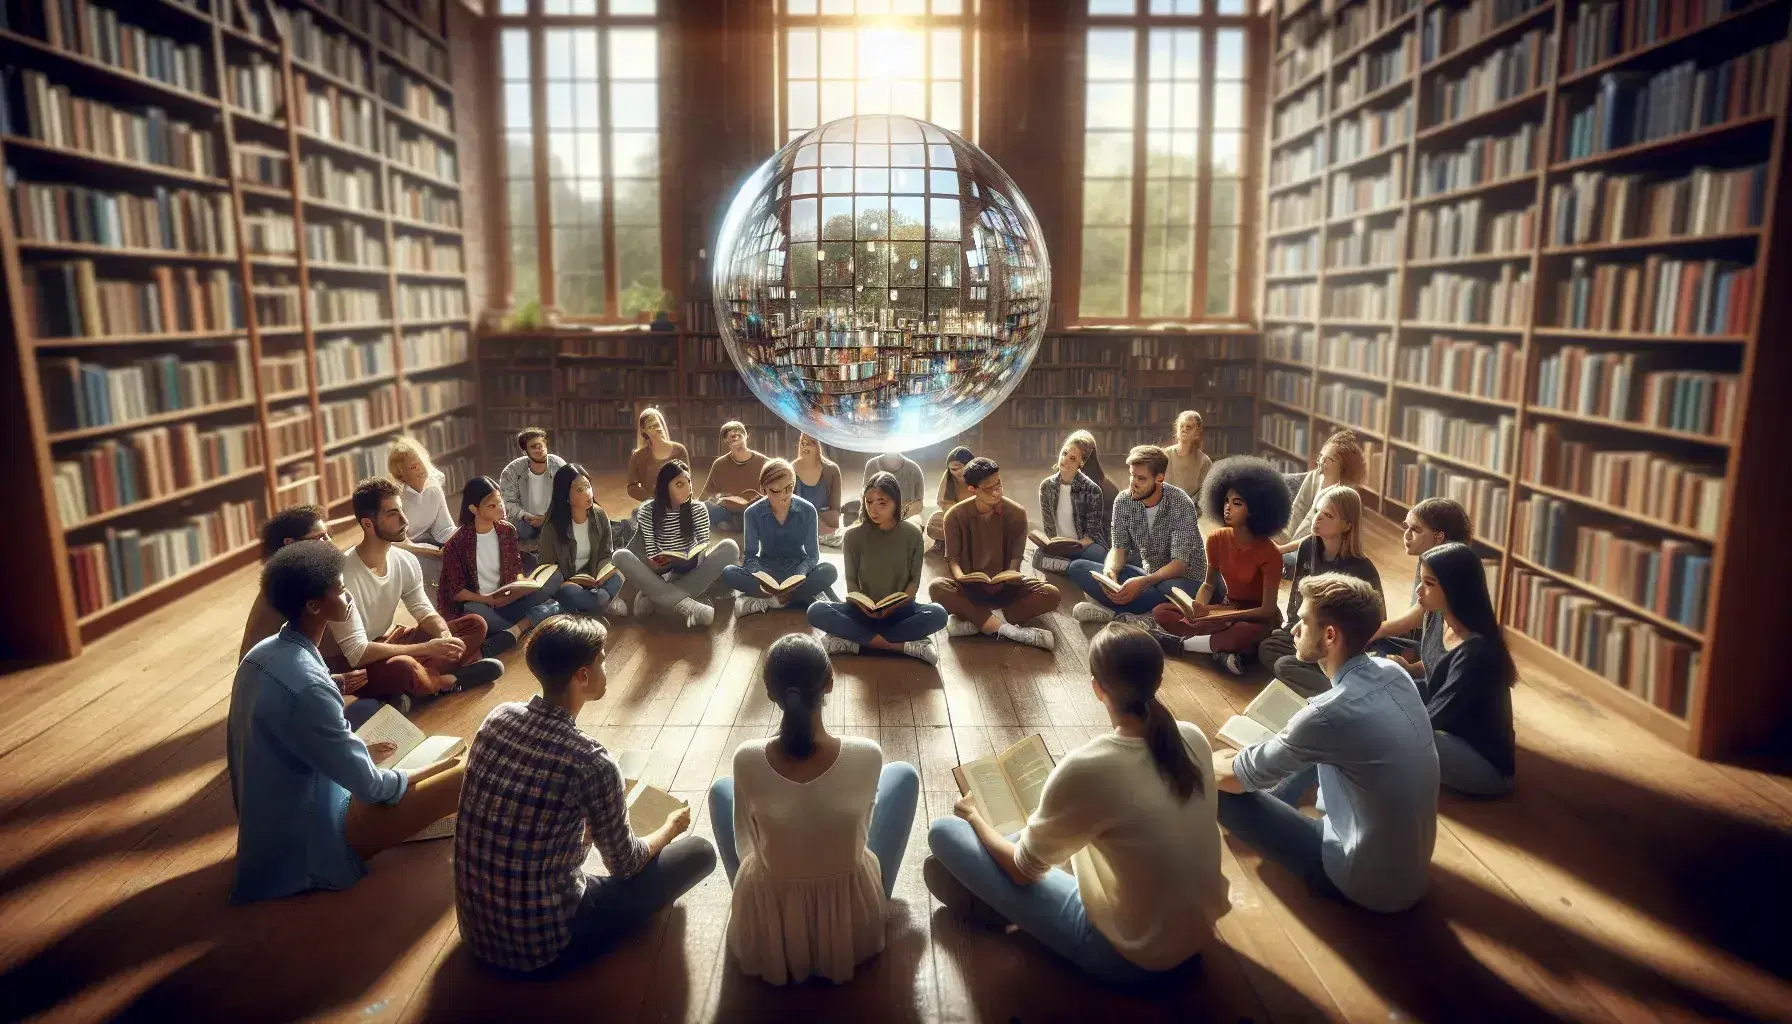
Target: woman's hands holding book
{"x": 381, "y": 750}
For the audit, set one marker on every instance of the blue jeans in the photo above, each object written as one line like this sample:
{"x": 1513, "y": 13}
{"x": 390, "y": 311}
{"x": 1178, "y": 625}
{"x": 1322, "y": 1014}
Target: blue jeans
{"x": 892, "y": 815}
{"x": 525, "y": 607}
{"x": 1050, "y": 910}
{"x": 1461, "y": 767}
{"x": 589, "y": 600}
{"x": 1097, "y": 553}
{"x": 1082, "y": 571}
{"x": 722, "y": 519}
{"x": 1271, "y": 823}
{"x": 910, "y": 621}
{"x": 524, "y": 530}
{"x": 821, "y": 578}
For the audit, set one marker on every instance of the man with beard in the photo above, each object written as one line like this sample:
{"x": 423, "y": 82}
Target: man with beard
{"x": 1156, "y": 525}
{"x": 432, "y": 657}
{"x": 527, "y": 484}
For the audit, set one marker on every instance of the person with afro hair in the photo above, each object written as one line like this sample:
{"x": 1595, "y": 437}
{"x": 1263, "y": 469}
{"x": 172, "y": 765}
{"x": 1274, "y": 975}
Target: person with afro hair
{"x": 1254, "y": 505}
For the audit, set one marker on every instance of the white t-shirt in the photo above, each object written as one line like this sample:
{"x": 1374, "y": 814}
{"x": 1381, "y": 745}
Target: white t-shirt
{"x": 377, "y": 597}
{"x": 1151, "y": 514}
{"x": 487, "y": 560}
{"x": 581, "y": 544}
{"x": 538, "y": 488}
{"x": 1066, "y": 526}
{"x": 1147, "y": 865}
{"x": 427, "y": 512}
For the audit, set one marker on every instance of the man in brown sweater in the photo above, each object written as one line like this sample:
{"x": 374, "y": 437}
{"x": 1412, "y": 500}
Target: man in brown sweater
{"x": 988, "y": 534}
{"x": 732, "y": 476}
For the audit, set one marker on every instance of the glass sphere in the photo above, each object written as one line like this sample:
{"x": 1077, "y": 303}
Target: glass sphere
{"x": 881, "y": 284}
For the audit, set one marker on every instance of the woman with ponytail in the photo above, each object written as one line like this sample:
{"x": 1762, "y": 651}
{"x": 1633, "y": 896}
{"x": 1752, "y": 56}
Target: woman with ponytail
{"x": 1133, "y": 810}
{"x": 811, "y": 829}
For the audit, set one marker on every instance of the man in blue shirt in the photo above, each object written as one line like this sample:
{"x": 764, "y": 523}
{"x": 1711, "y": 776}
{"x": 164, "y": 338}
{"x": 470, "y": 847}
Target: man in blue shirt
{"x": 1367, "y": 741}
{"x": 780, "y": 541}
{"x": 311, "y": 804}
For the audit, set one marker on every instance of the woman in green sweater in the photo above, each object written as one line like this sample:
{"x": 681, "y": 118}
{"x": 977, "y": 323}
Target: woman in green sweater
{"x": 883, "y": 557}
{"x": 576, "y": 537}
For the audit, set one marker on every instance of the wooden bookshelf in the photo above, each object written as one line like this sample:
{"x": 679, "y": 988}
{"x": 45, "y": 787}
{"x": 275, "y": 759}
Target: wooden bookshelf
{"x": 228, "y": 34}
{"x": 1732, "y": 704}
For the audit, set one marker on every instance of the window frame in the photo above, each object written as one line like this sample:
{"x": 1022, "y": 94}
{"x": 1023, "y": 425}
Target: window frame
{"x": 537, "y": 25}
{"x": 1251, "y": 140}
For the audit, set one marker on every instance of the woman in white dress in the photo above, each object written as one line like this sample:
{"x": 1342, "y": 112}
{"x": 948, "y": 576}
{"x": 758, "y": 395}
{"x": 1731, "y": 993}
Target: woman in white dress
{"x": 811, "y": 829}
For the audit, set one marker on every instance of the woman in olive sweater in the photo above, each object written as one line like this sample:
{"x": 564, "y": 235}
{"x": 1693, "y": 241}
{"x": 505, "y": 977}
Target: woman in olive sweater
{"x": 576, "y": 537}
{"x": 883, "y": 558}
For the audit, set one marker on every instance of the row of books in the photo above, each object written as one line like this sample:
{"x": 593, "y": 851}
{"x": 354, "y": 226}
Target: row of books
{"x": 609, "y": 381}
{"x": 343, "y": 470}
{"x": 447, "y": 434}
{"x": 1484, "y": 369}
{"x": 95, "y": 32}
{"x": 417, "y": 201}
{"x": 328, "y": 50}
{"x": 1303, "y": 112}
{"x": 1357, "y": 353}
{"x": 339, "y": 304}
{"x": 719, "y": 384}
{"x": 351, "y": 417}
{"x": 1459, "y": 229}
{"x": 1376, "y": 69}
{"x": 70, "y": 300}
{"x": 1373, "y": 129}
{"x": 1354, "y": 406}
{"x": 423, "y": 154}
{"x": 1354, "y": 23}
{"x": 127, "y": 561}
{"x": 522, "y": 388}
{"x": 1599, "y": 207}
{"x": 1476, "y": 442}
{"x": 1447, "y": 297}
{"x": 1370, "y": 191}
{"x": 1289, "y": 387}
{"x": 1669, "y": 577}
{"x": 1658, "y": 295}
{"x": 276, "y": 300}
{"x": 1226, "y": 380}
{"x": 650, "y": 349}
{"x": 426, "y": 253}
{"x": 1479, "y": 161}
{"x": 1290, "y": 344}
{"x": 173, "y": 220}
{"x": 346, "y": 360}
{"x": 1444, "y": 30}
{"x": 344, "y": 183}
{"x": 335, "y": 114}
{"x": 591, "y": 414}
{"x": 345, "y": 240}
{"x": 412, "y": 46}
{"x": 1297, "y": 162}
{"x": 1600, "y": 30}
{"x": 291, "y": 431}
{"x": 1291, "y": 300}
{"x": 1513, "y": 70}
{"x": 1645, "y": 483}
{"x": 1284, "y": 431}
{"x": 270, "y": 233}
{"x": 432, "y": 347}
{"x": 298, "y": 486}
{"x": 30, "y": 106}
{"x": 430, "y": 396}
{"x": 262, "y": 165}
{"x": 1301, "y": 208}
{"x": 1365, "y": 244}
{"x": 431, "y": 301}
{"x": 1058, "y": 348}
{"x": 1155, "y": 353}
{"x": 1039, "y": 381}
{"x": 283, "y": 375}
{"x": 255, "y": 87}
{"x": 1055, "y": 412}
{"x": 1297, "y": 255}
{"x": 149, "y": 464}
{"x": 1616, "y": 386}
{"x": 1371, "y": 299}
{"x": 1623, "y": 649}
{"x": 1633, "y": 107}
{"x": 1488, "y": 501}
{"x": 414, "y": 98}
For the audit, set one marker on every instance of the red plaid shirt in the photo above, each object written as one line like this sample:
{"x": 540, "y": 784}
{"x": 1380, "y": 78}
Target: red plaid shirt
{"x": 460, "y": 565}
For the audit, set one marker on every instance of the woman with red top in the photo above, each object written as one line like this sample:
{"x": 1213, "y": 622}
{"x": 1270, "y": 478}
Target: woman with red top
{"x": 477, "y": 563}
{"x": 1254, "y": 505}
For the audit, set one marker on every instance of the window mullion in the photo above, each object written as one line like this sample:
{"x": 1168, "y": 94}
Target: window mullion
{"x": 544, "y": 193}
{"x": 612, "y": 275}
{"x": 1135, "y": 237}
{"x": 1204, "y": 173}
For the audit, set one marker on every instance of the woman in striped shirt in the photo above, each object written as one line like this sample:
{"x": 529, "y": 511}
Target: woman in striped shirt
{"x": 671, "y": 522}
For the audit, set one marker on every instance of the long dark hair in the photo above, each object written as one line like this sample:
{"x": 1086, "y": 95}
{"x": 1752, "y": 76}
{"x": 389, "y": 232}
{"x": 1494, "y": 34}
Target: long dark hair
{"x": 477, "y": 490}
{"x": 662, "y": 496}
{"x": 797, "y": 674}
{"x": 880, "y": 481}
{"x": 1085, "y": 442}
{"x": 1128, "y": 665}
{"x": 948, "y": 482}
{"x": 1464, "y": 581}
{"x": 560, "y": 505}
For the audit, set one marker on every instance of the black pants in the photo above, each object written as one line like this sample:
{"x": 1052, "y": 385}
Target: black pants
{"x": 612, "y": 908}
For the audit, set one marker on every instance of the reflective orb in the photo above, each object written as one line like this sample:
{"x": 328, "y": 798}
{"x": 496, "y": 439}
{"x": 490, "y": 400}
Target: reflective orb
{"x": 881, "y": 284}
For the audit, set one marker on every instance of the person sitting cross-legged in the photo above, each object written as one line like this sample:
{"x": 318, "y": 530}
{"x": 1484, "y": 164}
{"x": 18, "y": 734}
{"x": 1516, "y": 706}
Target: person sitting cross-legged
{"x": 312, "y": 808}
{"x": 732, "y": 477}
{"x": 1155, "y": 524}
{"x": 1468, "y": 691}
{"x": 779, "y": 538}
{"x": 986, "y": 533}
{"x": 882, "y": 554}
{"x": 1336, "y": 545}
{"x": 669, "y": 522}
{"x": 480, "y": 562}
{"x": 527, "y": 483}
{"x": 539, "y": 795}
{"x": 578, "y": 538}
{"x": 1366, "y": 742}
{"x": 1072, "y": 505}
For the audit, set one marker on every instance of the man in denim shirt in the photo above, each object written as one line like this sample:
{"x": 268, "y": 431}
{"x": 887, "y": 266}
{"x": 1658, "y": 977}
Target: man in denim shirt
{"x": 780, "y": 540}
{"x": 311, "y": 804}
{"x": 1368, "y": 742}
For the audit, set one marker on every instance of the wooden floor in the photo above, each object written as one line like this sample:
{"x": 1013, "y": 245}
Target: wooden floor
{"x": 1623, "y": 881}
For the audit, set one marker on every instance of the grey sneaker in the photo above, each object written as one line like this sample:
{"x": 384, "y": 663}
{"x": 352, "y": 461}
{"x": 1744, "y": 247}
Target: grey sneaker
{"x": 1089, "y": 611}
{"x": 1050, "y": 563}
{"x": 695, "y": 612}
{"x": 956, "y": 626}
{"x": 751, "y": 606}
{"x": 922, "y": 650}
{"x": 838, "y": 645}
{"x": 617, "y": 609}
{"x": 834, "y": 540}
{"x": 1032, "y": 636}
{"x": 643, "y": 606}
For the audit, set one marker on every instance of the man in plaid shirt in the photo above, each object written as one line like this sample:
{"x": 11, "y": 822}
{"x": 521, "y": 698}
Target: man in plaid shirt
{"x": 538, "y": 795}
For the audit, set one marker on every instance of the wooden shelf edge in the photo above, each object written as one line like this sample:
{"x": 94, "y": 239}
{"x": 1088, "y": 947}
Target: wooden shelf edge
{"x": 99, "y": 620}
{"x": 1585, "y": 682}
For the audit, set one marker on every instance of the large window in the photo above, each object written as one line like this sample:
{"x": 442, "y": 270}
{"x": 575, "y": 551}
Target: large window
{"x": 844, "y": 57}
{"x": 1165, "y": 151}
{"x": 582, "y": 163}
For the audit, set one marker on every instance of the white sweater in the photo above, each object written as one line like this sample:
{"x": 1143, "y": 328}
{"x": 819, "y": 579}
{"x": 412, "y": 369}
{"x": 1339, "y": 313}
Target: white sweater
{"x": 1147, "y": 865}
{"x": 809, "y": 897}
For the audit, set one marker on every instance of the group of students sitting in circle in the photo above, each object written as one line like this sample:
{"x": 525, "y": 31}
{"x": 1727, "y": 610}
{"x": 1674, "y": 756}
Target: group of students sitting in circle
{"x": 811, "y": 828}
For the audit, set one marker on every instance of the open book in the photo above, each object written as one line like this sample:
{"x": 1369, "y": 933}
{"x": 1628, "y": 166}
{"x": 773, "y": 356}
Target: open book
{"x": 692, "y": 555}
{"x": 648, "y": 806}
{"x": 594, "y": 579}
{"x": 738, "y": 503}
{"x": 1005, "y": 576}
{"x": 779, "y": 587}
{"x": 1108, "y": 583}
{"x": 415, "y": 750}
{"x": 1060, "y": 546}
{"x": 865, "y": 603}
{"x": 528, "y": 584}
{"x": 1007, "y": 785}
{"x": 1186, "y": 605}
{"x": 1263, "y": 717}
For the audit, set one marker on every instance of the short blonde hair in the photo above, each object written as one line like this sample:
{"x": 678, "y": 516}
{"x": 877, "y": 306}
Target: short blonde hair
{"x": 773, "y": 471}
{"x": 1150, "y": 456}
{"x": 1353, "y": 467}
{"x": 1348, "y": 504}
{"x": 395, "y": 456}
{"x": 1349, "y": 604}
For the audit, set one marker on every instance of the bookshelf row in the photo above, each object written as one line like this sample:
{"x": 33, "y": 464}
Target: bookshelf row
{"x": 1518, "y": 247}
{"x": 233, "y": 238}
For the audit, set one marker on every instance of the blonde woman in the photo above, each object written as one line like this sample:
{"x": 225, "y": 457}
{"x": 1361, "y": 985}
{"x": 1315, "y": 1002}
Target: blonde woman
{"x": 425, "y": 506}
{"x": 657, "y": 448}
{"x": 1341, "y": 461}
{"x": 1188, "y": 462}
{"x": 1336, "y": 545}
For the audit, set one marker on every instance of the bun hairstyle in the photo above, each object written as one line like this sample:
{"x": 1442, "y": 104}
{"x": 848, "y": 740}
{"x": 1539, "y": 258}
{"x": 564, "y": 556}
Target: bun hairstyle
{"x": 1128, "y": 665}
{"x": 797, "y": 676}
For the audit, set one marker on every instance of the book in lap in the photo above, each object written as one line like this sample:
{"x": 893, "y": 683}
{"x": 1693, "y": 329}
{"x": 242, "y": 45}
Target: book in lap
{"x": 1186, "y": 605}
{"x": 1060, "y": 546}
{"x": 648, "y": 806}
{"x": 688, "y": 557}
{"x": 779, "y": 587}
{"x": 1004, "y": 577}
{"x": 414, "y": 750}
{"x": 527, "y": 584}
{"x": 738, "y": 503}
{"x": 866, "y": 603}
{"x": 1108, "y": 583}
{"x": 589, "y": 580}
{"x": 1007, "y": 785}
{"x": 1263, "y": 717}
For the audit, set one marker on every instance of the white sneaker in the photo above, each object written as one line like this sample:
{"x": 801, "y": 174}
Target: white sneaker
{"x": 618, "y": 608}
{"x": 838, "y": 645}
{"x": 1089, "y": 611}
{"x": 1032, "y": 636}
{"x": 643, "y": 606}
{"x": 695, "y": 612}
{"x": 834, "y": 540}
{"x": 1050, "y": 563}
{"x": 956, "y": 626}
{"x": 751, "y": 605}
{"x": 922, "y": 650}
{"x": 1230, "y": 662}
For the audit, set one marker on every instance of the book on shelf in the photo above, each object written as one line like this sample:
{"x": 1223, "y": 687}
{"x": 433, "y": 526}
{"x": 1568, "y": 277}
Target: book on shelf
{"x": 97, "y": 33}
{"x": 1626, "y": 651}
{"x": 1006, "y": 576}
{"x": 1007, "y": 785}
{"x": 79, "y": 395}
{"x": 127, "y": 561}
{"x": 150, "y": 464}
{"x": 1657, "y": 295}
{"x": 1059, "y": 546}
{"x": 1267, "y": 714}
{"x": 1641, "y": 482}
{"x": 70, "y": 300}
{"x": 50, "y": 114}
{"x": 870, "y": 605}
{"x": 1633, "y": 107}
{"x": 171, "y": 220}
